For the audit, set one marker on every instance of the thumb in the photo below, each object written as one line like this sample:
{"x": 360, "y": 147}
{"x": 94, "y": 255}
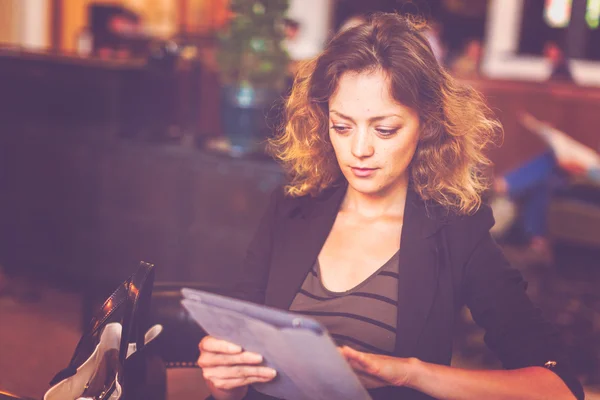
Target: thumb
{"x": 360, "y": 358}
{"x": 349, "y": 352}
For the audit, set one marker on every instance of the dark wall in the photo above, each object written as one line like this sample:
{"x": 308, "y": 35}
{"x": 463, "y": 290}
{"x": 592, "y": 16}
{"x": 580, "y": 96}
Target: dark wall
{"x": 79, "y": 203}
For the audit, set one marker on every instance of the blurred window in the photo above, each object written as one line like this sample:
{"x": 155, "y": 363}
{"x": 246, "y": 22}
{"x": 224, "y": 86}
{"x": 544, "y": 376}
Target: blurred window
{"x": 592, "y": 15}
{"x": 549, "y": 20}
{"x": 557, "y": 13}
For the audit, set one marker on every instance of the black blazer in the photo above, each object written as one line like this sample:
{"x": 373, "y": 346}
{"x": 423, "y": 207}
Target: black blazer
{"x": 446, "y": 261}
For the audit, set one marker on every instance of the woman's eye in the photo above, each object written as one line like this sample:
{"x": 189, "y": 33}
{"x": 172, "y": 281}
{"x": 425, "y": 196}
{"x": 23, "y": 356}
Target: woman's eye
{"x": 386, "y": 132}
{"x": 340, "y": 128}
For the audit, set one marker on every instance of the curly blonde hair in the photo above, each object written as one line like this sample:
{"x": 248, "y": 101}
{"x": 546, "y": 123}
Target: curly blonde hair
{"x": 449, "y": 166}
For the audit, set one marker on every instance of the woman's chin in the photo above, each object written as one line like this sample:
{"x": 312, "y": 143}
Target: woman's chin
{"x": 365, "y": 186}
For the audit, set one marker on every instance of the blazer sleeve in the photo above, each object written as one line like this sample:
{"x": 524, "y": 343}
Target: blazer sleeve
{"x": 252, "y": 279}
{"x": 514, "y": 328}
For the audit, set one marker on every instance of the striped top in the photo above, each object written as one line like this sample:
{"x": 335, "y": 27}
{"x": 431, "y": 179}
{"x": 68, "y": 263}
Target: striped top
{"x": 363, "y": 317}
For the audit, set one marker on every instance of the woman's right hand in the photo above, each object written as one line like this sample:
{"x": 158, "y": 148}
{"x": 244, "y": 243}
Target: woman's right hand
{"x": 228, "y": 370}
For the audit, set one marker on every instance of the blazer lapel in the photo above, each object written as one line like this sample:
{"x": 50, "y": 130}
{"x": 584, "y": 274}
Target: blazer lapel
{"x": 307, "y": 228}
{"x": 418, "y": 274}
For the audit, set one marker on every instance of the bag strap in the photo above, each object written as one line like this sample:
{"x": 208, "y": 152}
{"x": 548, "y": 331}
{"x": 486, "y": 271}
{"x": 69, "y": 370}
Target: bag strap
{"x": 87, "y": 342}
{"x": 121, "y": 297}
{"x": 137, "y": 309}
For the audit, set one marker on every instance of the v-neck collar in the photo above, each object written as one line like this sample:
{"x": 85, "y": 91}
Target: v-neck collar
{"x": 307, "y": 226}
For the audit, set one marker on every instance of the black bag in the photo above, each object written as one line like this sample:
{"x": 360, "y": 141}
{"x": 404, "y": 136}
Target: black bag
{"x": 116, "y": 357}
{"x": 181, "y": 334}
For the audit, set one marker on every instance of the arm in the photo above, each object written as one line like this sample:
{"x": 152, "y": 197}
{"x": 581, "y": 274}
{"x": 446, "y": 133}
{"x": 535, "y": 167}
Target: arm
{"x": 515, "y": 329}
{"x": 449, "y": 383}
{"x": 444, "y": 382}
{"x": 569, "y": 151}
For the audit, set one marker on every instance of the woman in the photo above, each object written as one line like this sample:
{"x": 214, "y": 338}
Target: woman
{"x": 381, "y": 234}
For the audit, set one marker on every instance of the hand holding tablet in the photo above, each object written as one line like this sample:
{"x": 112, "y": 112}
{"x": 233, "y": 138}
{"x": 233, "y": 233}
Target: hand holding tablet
{"x": 308, "y": 364}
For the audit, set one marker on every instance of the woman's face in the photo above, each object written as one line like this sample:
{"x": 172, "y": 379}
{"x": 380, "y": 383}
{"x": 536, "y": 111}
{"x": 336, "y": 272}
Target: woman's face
{"x": 373, "y": 136}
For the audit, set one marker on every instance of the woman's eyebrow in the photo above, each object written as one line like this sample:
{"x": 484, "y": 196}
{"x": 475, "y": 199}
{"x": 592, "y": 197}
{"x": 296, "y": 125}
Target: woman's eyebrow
{"x": 372, "y": 119}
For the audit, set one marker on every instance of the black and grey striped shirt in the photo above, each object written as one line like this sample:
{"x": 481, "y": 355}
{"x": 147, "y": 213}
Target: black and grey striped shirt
{"x": 363, "y": 317}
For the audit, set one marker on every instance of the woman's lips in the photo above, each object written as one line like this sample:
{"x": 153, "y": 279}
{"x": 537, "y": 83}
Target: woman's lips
{"x": 363, "y": 172}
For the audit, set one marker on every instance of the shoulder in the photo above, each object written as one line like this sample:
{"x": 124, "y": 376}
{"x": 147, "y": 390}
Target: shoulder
{"x": 470, "y": 250}
{"x": 464, "y": 232}
{"x": 287, "y": 206}
{"x": 282, "y": 204}
{"x": 481, "y": 221}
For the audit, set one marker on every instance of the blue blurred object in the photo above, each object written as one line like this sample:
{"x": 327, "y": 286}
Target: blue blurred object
{"x": 244, "y": 112}
{"x": 533, "y": 183}
{"x": 594, "y": 175}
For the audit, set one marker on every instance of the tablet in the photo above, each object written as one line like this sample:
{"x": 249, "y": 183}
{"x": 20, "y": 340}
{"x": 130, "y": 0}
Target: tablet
{"x": 306, "y": 359}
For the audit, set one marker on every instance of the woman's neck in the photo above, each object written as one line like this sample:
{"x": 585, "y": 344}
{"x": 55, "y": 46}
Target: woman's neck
{"x": 389, "y": 203}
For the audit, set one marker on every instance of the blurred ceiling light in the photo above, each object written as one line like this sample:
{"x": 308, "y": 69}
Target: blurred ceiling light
{"x": 592, "y": 15}
{"x": 557, "y": 13}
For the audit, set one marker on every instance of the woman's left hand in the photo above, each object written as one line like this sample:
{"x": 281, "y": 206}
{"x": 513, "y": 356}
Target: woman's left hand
{"x": 376, "y": 370}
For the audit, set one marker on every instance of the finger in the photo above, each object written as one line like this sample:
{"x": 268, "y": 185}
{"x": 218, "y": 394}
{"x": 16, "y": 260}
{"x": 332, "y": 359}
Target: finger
{"x": 347, "y": 353}
{"x": 370, "y": 382}
{"x": 214, "y": 345}
{"x": 362, "y": 362}
{"x": 209, "y": 359}
{"x": 353, "y": 355}
{"x": 228, "y": 384}
{"x": 238, "y": 371}
{"x": 368, "y": 379}
{"x": 349, "y": 350}
{"x": 362, "y": 375}
{"x": 358, "y": 366}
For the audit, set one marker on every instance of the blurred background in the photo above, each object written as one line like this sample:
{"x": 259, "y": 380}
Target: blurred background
{"x": 134, "y": 130}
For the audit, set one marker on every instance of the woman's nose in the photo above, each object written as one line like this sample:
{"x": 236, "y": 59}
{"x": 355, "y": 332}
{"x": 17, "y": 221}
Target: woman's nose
{"x": 362, "y": 145}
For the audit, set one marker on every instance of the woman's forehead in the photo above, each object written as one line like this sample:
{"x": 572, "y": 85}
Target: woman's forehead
{"x": 365, "y": 95}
